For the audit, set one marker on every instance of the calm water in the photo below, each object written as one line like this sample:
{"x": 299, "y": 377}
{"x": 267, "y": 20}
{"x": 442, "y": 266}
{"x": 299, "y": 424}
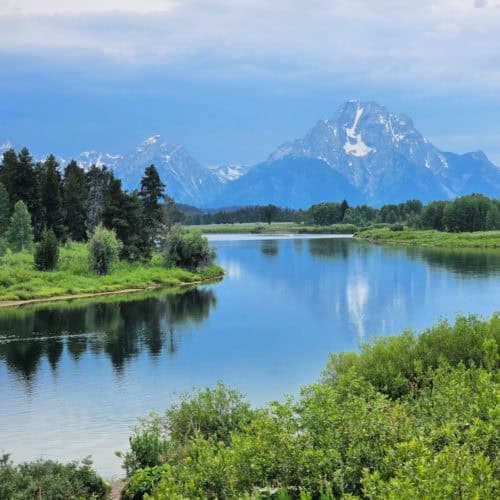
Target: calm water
{"x": 74, "y": 376}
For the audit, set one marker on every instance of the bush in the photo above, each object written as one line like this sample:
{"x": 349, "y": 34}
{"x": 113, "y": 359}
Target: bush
{"x": 408, "y": 417}
{"x": 104, "y": 250}
{"x": 187, "y": 249}
{"x": 48, "y": 480}
{"x": 211, "y": 413}
{"x": 47, "y": 252}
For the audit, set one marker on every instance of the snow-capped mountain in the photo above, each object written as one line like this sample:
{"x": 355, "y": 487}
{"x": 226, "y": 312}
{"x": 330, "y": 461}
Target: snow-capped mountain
{"x": 230, "y": 172}
{"x": 382, "y": 155}
{"x": 187, "y": 180}
{"x": 364, "y": 153}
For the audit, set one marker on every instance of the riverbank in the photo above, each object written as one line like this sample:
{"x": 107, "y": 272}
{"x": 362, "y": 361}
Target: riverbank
{"x": 274, "y": 228}
{"x": 21, "y": 283}
{"x": 480, "y": 239}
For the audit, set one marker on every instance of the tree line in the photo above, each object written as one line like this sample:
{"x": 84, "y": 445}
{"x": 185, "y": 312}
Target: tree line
{"x": 36, "y": 198}
{"x": 468, "y": 213}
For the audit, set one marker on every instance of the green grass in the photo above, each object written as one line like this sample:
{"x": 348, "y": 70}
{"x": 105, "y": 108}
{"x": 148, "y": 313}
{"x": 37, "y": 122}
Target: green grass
{"x": 480, "y": 239}
{"x": 19, "y": 280}
{"x": 274, "y": 228}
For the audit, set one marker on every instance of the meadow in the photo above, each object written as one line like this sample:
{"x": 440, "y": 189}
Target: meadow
{"x": 21, "y": 281}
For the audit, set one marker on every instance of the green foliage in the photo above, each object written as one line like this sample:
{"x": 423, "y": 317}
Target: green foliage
{"x": 20, "y": 231}
{"x": 74, "y": 196}
{"x": 209, "y": 413}
{"x": 4, "y": 210}
{"x": 479, "y": 239}
{"x": 51, "y": 196}
{"x": 394, "y": 364}
{"x": 407, "y": 417}
{"x": 269, "y": 213}
{"x": 47, "y": 251}
{"x": 397, "y": 227}
{"x": 104, "y": 250}
{"x": 187, "y": 249}
{"x": 48, "y": 480}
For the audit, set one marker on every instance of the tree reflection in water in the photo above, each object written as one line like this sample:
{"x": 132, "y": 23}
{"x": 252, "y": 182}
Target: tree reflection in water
{"x": 120, "y": 328}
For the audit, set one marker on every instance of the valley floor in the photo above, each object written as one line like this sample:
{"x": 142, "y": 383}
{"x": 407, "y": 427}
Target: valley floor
{"x": 21, "y": 283}
{"x": 479, "y": 239}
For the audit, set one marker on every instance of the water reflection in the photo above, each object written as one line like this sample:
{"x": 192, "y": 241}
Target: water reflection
{"x": 269, "y": 247}
{"x": 119, "y": 328}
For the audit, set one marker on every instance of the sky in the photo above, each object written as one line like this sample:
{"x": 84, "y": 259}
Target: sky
{"x": 233, "y": 79}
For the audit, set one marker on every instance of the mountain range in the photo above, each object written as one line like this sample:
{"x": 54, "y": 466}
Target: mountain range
{"x": 363, "y": 153}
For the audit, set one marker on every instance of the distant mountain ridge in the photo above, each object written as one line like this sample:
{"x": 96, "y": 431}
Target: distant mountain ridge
{"x": 363, "y": 153}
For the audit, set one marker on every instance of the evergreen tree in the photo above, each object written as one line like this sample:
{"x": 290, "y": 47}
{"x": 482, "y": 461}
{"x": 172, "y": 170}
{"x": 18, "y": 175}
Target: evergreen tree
{"x": 4, "y": 210}
{"x": 47, "y": 251}
{"x": 98, "y": 180}
{"x": 20, "y": 232}
{"x": 8, "y": 175}
{"x": 123, "y": 212}
{"x": 74, "y": 197}
{"x": 344, "y": 206}
{"x": 152, "y": 193}
{"x": 171, "y": 214}
{"x": 51, "y": 196}
{"x": 26, "y": 184}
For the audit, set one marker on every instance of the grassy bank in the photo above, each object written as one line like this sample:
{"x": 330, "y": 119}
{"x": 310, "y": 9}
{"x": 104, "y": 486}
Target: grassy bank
{"x": 20, "y": 281}
{"x": 480, "y": 239}
{"x": 274, "y": 228}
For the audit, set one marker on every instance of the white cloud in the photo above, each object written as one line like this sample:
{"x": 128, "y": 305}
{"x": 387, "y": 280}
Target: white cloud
{"x": 55, "y": 7}
{"x": 439, "y": 43}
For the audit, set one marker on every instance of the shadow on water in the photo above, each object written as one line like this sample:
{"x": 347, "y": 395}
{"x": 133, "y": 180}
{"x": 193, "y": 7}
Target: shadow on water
{"x": 121, "y": 328}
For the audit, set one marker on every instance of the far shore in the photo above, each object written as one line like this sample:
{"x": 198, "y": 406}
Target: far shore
{"x": 431, "y": 238}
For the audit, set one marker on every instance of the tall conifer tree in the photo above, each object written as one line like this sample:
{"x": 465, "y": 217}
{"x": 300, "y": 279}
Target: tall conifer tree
{"x": 74, "y": 197}
{"x": 4, "y": 210}
{"x": 51, "y": 196}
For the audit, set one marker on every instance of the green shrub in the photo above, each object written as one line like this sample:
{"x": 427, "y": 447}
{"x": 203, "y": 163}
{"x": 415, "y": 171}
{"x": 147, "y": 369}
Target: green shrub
{"x": 48, "y": 480}
{"x": 214, "y": 413}
{"x": 408, "y": 417}
{"x": 187, "y": 249}
{"x": 104, "y": 250}
{"x": 47, "y": 252}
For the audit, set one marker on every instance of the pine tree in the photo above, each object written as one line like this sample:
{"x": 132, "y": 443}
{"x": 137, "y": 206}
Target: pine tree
{"x": 26, "y": 179}
{"x": 51, "y": 196}
{"x": 4, "y": 210}
{"x": 123, "y": 212}
{"x": 20, "y": 232}
{"x": 74, "y": 197}
{"x": 8, "y": 175}
{"x": 98, "y": 180}
{"x": 152, "y": 194}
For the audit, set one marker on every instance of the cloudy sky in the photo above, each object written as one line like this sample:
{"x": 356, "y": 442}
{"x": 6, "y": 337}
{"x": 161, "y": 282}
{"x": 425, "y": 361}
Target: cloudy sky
{"x": 232, "y": 79}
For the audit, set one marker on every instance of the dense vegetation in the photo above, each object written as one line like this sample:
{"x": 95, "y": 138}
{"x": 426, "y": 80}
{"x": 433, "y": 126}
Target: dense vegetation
{"x": 48, "y": 480}
{"x": 465, "y": 214}
{"x": 409, "y": 416}
{"x": 80, "y": 232}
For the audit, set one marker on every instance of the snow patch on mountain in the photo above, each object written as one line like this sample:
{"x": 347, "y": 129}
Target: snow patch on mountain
{"x": 358, "y": 148}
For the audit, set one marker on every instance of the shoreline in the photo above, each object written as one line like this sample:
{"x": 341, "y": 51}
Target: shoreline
{"x": 488, "y": 240}
{"x": 87, "y": 295}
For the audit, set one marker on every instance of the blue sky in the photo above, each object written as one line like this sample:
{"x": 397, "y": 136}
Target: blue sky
{"x": 232, "y": 79}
